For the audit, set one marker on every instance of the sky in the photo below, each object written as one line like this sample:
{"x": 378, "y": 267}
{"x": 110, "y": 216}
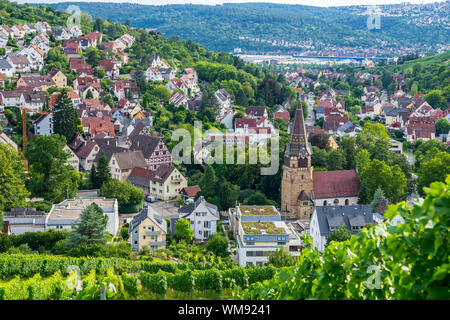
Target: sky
{"x": 318, "y": 3}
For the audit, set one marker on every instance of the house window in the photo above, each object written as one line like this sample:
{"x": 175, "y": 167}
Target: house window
{"x": 346, "y": 202}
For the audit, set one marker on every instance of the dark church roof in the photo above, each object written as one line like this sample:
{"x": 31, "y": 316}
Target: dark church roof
{"x": 298, "y": 146}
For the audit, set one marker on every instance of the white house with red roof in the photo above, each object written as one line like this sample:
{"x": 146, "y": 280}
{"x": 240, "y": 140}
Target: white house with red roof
{"x": 153, "y": 74}
{"x": 179, "y": 99}
{"x": 177, "y": 84}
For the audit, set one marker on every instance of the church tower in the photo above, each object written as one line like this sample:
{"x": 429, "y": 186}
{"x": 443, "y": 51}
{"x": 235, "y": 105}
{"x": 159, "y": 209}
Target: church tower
{"x": 297, "y": 181}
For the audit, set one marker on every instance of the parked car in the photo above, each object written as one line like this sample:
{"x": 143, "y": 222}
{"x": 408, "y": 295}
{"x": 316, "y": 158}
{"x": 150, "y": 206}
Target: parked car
{"x": 149, "y": 198}
{"x": 225, "y": 221}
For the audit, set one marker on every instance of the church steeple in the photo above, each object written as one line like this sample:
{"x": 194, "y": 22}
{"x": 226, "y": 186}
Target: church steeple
{"x": 298, "y": 152}
{"x": 297, "y": 182}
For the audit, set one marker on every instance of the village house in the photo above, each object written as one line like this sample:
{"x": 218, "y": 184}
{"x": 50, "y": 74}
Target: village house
{"x": 58, "y": 78}
{"x": 122, "y": 163}
{"x": 35, "y": 81}
{"x": 154, "y": 149}
{"x": 420, "y": 128}
{"x": 259, "y": 231}
{"x": 23, "y": 220}
{"x": 7, "y": 140}
{"x": 153, "y": 74}
{"x": 178, "y": 99}
{"x": 167, "y": 73}
{"x": 177, "y": 84}
{"x": 126, "y": 89}
{"x": 256, "y": 112}
{"x": 64, "y": 215}
{"x": 202, "y": 217}
{"x": 79, "y": 66}
{"x": 111, "y": 68}
{"x": 44, "y": 125}
{"x": 73, "y": 159}
{"x": 189, "y": 193}
{"x": 281, "y": 113}
{"x": 327, "y": 219}
{"x": 6, "y": 68}
{"x": 148, "y": 229}
{"x": 224, "y": 99}
{"x": 20, "y": 63}
{"x": 86, "y": 151}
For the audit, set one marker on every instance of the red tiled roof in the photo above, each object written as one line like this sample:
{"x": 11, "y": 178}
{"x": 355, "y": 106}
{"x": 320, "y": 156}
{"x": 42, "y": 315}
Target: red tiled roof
{"x": 142, "y": 172}
{"x": 334, "y": 184}
{"x": 191, "y": 191}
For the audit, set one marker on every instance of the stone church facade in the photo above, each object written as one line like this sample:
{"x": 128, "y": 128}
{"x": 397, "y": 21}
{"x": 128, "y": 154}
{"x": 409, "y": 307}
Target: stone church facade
{"x": 301, "y": 188}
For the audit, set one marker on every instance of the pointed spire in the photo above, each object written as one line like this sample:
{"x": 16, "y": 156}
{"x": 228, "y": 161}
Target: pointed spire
{"x": 298, "y": 133}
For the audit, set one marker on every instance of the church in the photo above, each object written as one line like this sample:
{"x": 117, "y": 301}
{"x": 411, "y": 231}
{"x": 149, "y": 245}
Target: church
{"x": 301, "y": 188}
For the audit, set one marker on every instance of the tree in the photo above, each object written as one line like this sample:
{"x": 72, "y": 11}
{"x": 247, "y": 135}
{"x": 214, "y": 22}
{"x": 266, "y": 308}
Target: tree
{"x": 50, "y": 175}
{"x": 227, "y": 194}
{"x": 208, "y": 182}
{"x": 340, "y": 234}
{"x": 281, "y": 258}
{"x": 349, "y": 146}
{"x": 374, "y": 174}
{"x": 12, "y": 181}
{"x": 183, "y": 230}
{"x": 378, "y": 197}
{"x": 336, "y": 160}
{"x": 319, "y": 140}
{"x": 257, "y": 198}
{"x": 102, "y": 173}
{"x": 98, "y": 25}
{"x": 129, "y": 197}
{"x": 434, "y": 169}
{"x": 442, "y": 126}
{"x": 436, "y": 99}
{"x": 65, "y": 117}
{"x": 91, "y": 229}
{"x": 319, "y": 157}
{"x": 218, "y": 245}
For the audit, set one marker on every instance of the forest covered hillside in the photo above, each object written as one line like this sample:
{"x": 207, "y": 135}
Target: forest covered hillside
{"x": 222, "y": 27}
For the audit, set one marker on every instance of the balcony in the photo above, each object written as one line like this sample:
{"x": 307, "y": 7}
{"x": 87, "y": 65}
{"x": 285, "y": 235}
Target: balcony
{"x": 152, "y": 233}
{"x": 157, "y": 243}
{"x": 176, "y": 180}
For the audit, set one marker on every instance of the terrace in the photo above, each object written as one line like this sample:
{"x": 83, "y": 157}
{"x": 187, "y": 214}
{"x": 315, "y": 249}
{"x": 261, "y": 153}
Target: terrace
{"x": 261, "y": 228}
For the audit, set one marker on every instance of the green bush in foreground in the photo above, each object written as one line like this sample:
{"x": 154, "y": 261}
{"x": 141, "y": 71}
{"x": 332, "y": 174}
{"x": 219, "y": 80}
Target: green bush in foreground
{"x": 407, "y": 261}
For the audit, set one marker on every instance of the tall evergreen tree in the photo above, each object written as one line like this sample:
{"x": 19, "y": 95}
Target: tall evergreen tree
{"x": 378, "y": 197}
{"x": 226, "y": 193}
{"x": 93, "y": 176}
{"x": 65, "y": 117}
{"x": 91, "y": 229}
{"x": 208, "y": 184}
{"x": 103, "y": 173}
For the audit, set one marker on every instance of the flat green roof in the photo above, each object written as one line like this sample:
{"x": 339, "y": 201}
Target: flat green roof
{"x": 259, "y": 227}
{"x": 258, "y": 210}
